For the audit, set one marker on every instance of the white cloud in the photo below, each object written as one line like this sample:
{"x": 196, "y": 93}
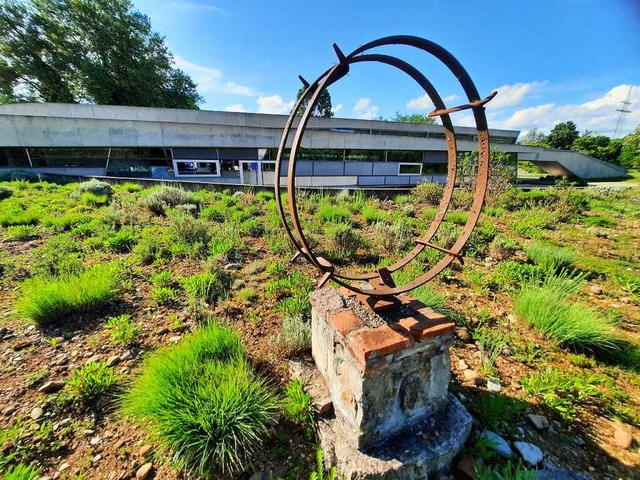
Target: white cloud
{"x": 189, "y": 7}
{"x": 210, "y": 79}
{"x": 236, "y": 107}
{"x": 425, "y": 103}
{"x": 337, "y": 108}
{"x": 599, "y": 115}
{"x": 274, "y": 104}
{"x": 512, "y": 95}
{"x": 236, "y": 89}
{"x": 365, "y": 110}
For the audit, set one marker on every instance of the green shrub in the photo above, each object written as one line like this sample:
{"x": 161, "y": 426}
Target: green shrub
{"x": 22, "y": 232}
{"x": 162, "y": 279}
{"x": 333, "y": 213}
{"x": 89, "y": 198}
{"x": 572, "y": 324}
{"x": 95, "y": 187}
{"x": 131, "y": 187}
{"x": 503, "y": 247}
{"x": 49, "y": 299}
{"x": 392, "y": 238}
{"x": 201, "y": 400}
{"x": 459, "y": 218}
{"x": 185, "y": 228}
{"x": 122, "y": 242}
{"x": 90, "y": 382}
{"x": 163, "y": 295}
{"x": 298, "y": 406}
{"x": 345, "y": 240}
{"x": 247, "y": 295}
{"x": 370, "y": 214}
{"x": 122, "y": 330}
{"x": 207, "y": 286}
{"x": 265, "y": 196}
{"x": 17, "y": 216}
{"x": 65, "y": 222}
{"x": 511, "y": 275}
{"x": 163, "y": 198}
{"x": 497, "y": 412}
{"x": 22, "y": 472}
{"x": 294, "y": 336}
{"x": 599, "y": 222}
{"x": 5, "y": 192}
{"x": 428, "y": 193}
{"x": 152, "y": 247}
{"x": 529, "y": 223}
{"x": 252, "y": 227}
{"x": 59, "y": 256}
{"x": 549, "y": 257}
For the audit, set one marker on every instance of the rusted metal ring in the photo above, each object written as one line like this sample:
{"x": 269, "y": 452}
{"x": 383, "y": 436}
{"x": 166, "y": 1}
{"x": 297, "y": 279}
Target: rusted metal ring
{"x": 475, "y": 103}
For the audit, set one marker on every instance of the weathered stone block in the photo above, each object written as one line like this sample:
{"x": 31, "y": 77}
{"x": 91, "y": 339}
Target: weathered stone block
{"x": 382, "y": 379}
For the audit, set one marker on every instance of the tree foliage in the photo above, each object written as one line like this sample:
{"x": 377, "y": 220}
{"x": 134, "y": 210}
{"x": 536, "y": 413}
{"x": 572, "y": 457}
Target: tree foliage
{"x": 416, "y": 118}
{"x": 598, "y": 146}
{"x": 630, "y": 154}
{"x": 323, "y": 108}
{"x": 534, "y": 138}
{"x": 563, "y": 135}
{"x": 96, "y": 51}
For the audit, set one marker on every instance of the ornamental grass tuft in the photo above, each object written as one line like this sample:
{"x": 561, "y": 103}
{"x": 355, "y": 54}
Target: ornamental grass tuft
{"x": 47, "y": 299}
{"x": 202, "y": 400}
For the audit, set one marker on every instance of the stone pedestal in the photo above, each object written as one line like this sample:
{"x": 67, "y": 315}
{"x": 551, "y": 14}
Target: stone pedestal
{"x": 389, "y": 384}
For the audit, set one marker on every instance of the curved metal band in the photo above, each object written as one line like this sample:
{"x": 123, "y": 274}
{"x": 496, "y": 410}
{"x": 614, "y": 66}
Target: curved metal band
{"x": 332, "y": 75}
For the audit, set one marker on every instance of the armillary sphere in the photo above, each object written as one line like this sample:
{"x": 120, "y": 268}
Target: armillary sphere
{"x": 380, "y": 281}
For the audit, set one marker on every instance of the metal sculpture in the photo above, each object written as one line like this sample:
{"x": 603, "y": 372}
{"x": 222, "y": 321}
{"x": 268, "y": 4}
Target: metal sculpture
{"x": 381, "y": 283}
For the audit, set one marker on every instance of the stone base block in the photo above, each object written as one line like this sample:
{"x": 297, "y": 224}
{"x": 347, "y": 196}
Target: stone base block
{"x": 417, "y": 453}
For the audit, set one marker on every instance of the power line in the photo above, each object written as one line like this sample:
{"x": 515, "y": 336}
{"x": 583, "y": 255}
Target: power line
{"x": 623, "y": 110}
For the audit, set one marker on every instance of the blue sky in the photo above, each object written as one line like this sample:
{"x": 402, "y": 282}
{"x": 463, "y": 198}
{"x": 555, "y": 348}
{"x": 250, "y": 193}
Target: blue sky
{"x": 551, "y": 61}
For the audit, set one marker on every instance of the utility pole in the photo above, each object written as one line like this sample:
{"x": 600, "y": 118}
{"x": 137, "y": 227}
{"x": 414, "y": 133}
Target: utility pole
{"x": 623, "y": 110}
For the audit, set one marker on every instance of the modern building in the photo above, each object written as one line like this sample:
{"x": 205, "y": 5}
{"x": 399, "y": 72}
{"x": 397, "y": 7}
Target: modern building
{"x": 229, "y": 147}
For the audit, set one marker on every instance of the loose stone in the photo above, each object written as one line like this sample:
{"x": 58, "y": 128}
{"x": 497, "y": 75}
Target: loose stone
{"x": 622, "y": 436}
{"x": 145, "y": 450}
{"x": 463, "y": 334}
{"x": 596, "y": 289}
{"x": 531, "y": 454}
{"x": 493, "y": 385}
{"x": 37, "y": 413}
{"x": 175, "y": 339}
{"x": 94, "y": 358}
{"x": 52, "y": 386}
{"x": 144, "y": 471}
{"x": 462, "y": 365}
{"x": 113, "y": 361}
{"x": 22, "y": 345}
{"x": 497, "y": 444}
{"x": 128, "y": 355}
{"x": 538, "y": 421}
{"x": 8, "y": 411}
{"x": 472, "y": 376}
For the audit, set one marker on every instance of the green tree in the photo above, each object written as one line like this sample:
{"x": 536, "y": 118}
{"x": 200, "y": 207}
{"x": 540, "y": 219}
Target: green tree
{"x": 96, "y": 51}
{"x": 598, "y": 146}
{"x": 534, "y": 138}
{"x": 417, "y": 118}
{"x": 630, "y": 154}
{"x": 323, "y": 108}
{"x": 563, "y": 135}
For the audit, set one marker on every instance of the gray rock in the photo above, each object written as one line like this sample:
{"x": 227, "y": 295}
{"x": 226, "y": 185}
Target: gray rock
{"x": 144, "y": 471}
{"x": 66, "y": 422}
{"x": 579, "y": 441}
{"x": 324, "y": 405}
{"x": 472, "y": 376}
{"x": 531, "y": 454}
{"x": 52, "y": 386}
{"x": 493, "y": 385}
{"x": 113, "y": 361}
{"x": 259, "y": 476}
{"x": 128, "y": 355}
{"x": 497, "y": 444}
{"x": 622, "y": 436}
{"x": 37, "y": 413}
{"x": 538, "y": 421}
{"x": 232, "y": 266}
{"x": 94, "y": 358}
